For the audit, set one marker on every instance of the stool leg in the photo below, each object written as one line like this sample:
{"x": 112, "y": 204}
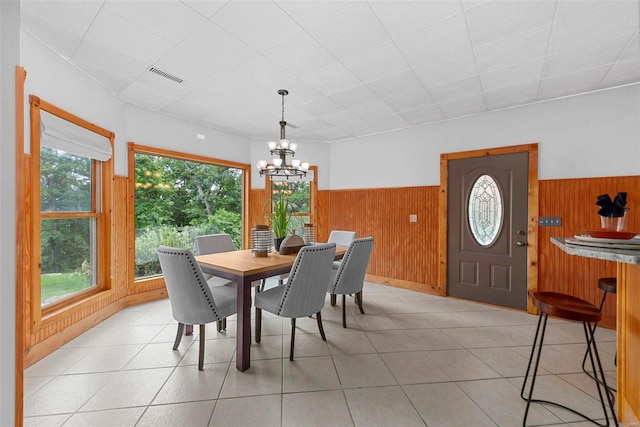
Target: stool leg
{"x": 535, "y": 369}
{"x": 610, "y": 390}
{"x": 588, "y": 334}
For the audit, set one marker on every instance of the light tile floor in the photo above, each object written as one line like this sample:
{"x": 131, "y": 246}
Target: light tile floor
{"x": 413, "y": 359}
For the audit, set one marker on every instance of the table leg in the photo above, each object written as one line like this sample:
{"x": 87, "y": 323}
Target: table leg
{"x": 243, "y": 334}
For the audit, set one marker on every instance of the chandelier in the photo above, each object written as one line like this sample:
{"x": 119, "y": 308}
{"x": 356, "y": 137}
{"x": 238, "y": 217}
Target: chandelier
{"x": 281, "y": 149}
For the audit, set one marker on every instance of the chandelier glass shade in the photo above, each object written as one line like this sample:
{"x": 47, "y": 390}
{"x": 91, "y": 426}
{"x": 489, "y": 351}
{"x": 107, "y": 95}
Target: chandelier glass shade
{"x": 280, "y": 150}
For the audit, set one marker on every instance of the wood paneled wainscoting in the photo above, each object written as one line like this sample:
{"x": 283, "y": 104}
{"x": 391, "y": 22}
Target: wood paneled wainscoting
{"x": 574, "y": 201}
{"x": 405, "y": 254}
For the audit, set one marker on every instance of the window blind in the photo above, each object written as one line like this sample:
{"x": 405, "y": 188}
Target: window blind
{"x": 63, "y": 135}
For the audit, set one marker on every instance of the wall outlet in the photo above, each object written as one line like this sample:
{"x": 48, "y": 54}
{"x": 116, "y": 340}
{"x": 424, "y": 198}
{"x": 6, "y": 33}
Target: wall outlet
{"x": 549, "y": 221}
{"x": 413, "y": 218}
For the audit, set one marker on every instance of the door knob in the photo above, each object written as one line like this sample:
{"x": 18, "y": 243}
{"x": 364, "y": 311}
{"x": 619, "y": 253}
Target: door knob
{"x": 521, "y": 243}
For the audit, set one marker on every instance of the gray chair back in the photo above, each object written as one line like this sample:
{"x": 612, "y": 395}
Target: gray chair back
{"x": 306, "y": 288}
{"x": 214, "y": 243}
{"x": 189, "y": 295}
{"x": 349, "y": 278}
{"x": 341, "y": 237}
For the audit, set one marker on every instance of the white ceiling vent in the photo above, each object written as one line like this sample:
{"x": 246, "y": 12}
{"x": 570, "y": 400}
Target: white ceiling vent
{"x": 166, "y": 75}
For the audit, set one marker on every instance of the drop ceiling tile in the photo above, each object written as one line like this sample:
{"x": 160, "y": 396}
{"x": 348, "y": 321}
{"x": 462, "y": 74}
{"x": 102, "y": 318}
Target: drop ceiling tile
{"x": 349, "y": 31}
{"x": 463, "y": 107}
{"x": 434, "y": 42}
{"x": 373, "y": 111}
{"x": 90, "y": 55}
{"x": 205, "y": 8}
{"x": 512, "y": 50}
{"x": 172, "y": 21}
{"x": 341, "y": 118}
{"x": 451, "y": 69}
{"x": 166, "y": 86}
{"x": 72, "y": 16}
{"x": 422, "y": 115}
{"x": 215, "y": 44}
{"x": 300, "y": 55}
{"x": 401, "y": 17}
{"x": 612, "y": 21}
{"x": 570, "y": 84}
{"x": 309, "y": 12}
{"x": 321, "y": 107}
{"x": 376, "y": 63}
{"x": 146, "y": 97}
{"x": 397, "y": 84}
{"x": 526, "y": 72}
{"x": 334, "y": 134}
{"x": 456, "y": 90}
{"x": 315, "y": 124}
{"x": 623, "y": 72}
{"x": 359, "y": 128}
{"x": 494, "y": 20}
{"x": 192, "y": 68}
{"x": 299, "y": 91}
{"x": 633, "y": 48}
{"x": 265, "y": 26}
{"x": 390, "y": 122}
{"x": 353, "y": 97}
{"x": 114, "y": 84}
{"x": 263, "y": 72}
{"x": 332, "y": 79}
{"x": 585, "y": 58}
{"x": 113, "y": 32}
{"x": 567, "y": 9}
{"x": 512, "y": 96}
{"x": 410, "y": 101}
{"x": 57, "y": 39}
{"x": 187, "y": 109}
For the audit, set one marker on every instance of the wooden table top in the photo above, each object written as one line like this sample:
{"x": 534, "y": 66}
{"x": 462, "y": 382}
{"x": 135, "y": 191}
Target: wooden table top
{"x": 245, "y": 263}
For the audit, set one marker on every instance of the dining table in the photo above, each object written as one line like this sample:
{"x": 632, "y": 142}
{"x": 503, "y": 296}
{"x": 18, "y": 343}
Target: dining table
{"x": 244, "y": 268}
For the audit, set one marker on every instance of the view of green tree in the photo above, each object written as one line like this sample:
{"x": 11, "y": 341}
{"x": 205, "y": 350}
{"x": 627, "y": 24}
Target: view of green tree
{"x": 176, "y": 200}
{"x": 65, "y": 181}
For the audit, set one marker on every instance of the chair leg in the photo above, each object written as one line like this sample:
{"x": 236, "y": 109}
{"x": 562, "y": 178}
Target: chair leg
{"x": 258, "y": 324}
{"x": 359, "y": 301}
{"x": 319, "y": 319}
{"x": 333, "y": 300}
{"x": 293, "y": 338}
{"x": 220, "y": 327}
{"x": 176, "y": 343}
{"x": 344, "y": 311}
{"x": 201, "y": 353}
{"x": 188, "y": 330}
{"x": 535, "y": 369}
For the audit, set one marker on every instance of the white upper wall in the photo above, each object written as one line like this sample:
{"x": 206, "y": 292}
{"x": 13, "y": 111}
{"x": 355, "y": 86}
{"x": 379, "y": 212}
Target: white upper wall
{"x": 590, "y": 135}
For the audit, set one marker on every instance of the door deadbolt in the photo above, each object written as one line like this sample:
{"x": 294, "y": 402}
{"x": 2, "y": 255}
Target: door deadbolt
{"x": 521, "y": 232}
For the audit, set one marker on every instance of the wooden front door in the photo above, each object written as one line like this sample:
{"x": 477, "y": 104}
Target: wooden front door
{"x": 487, "y": 236}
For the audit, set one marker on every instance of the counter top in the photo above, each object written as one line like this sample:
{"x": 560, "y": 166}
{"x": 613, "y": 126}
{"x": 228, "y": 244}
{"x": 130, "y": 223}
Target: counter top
{"x": 627, "y": 256}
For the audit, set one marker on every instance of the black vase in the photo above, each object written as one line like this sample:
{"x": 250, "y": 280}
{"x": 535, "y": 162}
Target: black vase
{"x": 277, "y": 242}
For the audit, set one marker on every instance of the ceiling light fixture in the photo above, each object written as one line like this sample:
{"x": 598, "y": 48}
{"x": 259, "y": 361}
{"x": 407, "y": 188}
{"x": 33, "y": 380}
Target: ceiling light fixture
{"x": 283, "y": 148}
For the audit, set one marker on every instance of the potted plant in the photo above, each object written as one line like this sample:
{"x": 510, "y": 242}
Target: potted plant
{"x": 280, "y": 220}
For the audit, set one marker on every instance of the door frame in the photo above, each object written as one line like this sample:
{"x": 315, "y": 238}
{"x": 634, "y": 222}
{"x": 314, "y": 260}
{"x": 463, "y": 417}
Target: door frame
{"x": 533, "y": 210}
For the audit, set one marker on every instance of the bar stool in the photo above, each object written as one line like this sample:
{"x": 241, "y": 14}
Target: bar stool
{"x": 570, "y": 308}
{"x": 609, "y": 285}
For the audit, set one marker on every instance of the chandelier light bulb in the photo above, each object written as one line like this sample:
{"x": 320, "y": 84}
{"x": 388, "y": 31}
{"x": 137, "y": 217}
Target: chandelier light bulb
{"x": 295, "y": 163}
{"x": 277, "y": 162}
{"x": 272, "y": 145}
{"x": 293, "y": 146}
{"x": 305, "y": 166}
{"x": 284, "y": 143}
{"x": 262, "y": 164}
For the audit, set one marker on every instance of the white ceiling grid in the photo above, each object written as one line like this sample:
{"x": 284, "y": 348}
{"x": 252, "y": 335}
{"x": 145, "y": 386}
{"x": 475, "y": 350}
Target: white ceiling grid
{"x": 353, "y": 67}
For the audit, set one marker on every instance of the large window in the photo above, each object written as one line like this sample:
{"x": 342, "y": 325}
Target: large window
{"x": 178, "y": 197}
{"x": 72, "y": 239}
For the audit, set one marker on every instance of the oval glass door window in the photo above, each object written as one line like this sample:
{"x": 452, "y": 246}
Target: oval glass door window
{"x": 485, "y": 210}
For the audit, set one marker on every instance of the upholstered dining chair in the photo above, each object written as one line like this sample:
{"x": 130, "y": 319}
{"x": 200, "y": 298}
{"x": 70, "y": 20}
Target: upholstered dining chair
{"x": 213, "y": 244}
{"x": 193, "y": 301}
{"x": 349, "y": 278}
{"x": 304, "y": 293}
{"x": 342, "y": 238}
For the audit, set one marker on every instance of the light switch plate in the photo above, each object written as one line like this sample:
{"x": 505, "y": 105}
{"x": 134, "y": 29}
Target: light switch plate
{"x": 413, "y": 218}
{"x": 549, "y": 221}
